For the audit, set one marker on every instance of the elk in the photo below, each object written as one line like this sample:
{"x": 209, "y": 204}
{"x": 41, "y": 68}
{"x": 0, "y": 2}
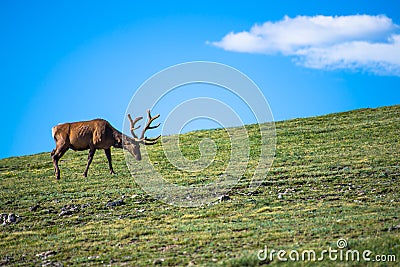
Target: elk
{"x": 99, "y": 134}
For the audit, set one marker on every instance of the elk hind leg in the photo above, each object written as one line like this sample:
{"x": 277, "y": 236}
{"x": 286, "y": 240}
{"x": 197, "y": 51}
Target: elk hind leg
{"x": 56, "y": 154}
{"x": 90, "y": 158}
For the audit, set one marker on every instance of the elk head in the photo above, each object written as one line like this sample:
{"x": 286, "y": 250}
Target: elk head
{"x": 134, "y": 143}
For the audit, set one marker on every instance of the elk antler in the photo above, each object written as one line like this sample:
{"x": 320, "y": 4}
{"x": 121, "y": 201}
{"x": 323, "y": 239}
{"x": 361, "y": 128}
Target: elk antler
{"x": 150, "y": 119}
{"x": 148, "y": 126}
{"x": 133, "y": 125}
{"x": 143, "y": 139}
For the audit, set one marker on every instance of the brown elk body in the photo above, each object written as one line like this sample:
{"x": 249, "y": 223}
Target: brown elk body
{"x": 98, "y": 134}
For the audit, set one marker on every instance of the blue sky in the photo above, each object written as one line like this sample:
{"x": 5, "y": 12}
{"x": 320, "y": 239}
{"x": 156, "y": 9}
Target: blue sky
{"x": 77, "y": 60}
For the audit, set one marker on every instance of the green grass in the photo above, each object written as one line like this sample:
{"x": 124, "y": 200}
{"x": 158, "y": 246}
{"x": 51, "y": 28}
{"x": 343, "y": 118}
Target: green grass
{"x": 334, "y": 176}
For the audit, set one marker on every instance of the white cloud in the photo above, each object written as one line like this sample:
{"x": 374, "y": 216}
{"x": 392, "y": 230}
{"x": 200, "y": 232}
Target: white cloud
{"x": 353, "y": 42}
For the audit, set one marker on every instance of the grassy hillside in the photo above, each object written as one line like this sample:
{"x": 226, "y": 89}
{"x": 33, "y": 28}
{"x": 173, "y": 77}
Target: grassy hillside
{"x": 333, "y": 177}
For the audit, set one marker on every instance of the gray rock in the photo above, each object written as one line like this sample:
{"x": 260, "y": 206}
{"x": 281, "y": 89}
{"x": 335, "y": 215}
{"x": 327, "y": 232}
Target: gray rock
{"x": 12, "y": 218}
{"x": 46, "y": 254}
{"x": 8, "y": 218}
{"x": 224, "y": 198}
{"x": 65, "y": 212}
{"x": 83, "y": 206}
{"x": 158, "y": 261}
{"x": 68, "y": 210}
{"x": 115, "y": 203}
{"x": 34, "y": 208}
{"x": 3, "y": 218}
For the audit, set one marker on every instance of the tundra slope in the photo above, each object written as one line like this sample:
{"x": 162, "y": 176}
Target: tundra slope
{"x": 338, "y": 177}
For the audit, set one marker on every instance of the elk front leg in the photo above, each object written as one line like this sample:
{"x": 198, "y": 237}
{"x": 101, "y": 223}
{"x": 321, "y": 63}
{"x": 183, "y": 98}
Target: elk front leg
{"x": 108, "y": 155}
{"x": 90, "y": 158}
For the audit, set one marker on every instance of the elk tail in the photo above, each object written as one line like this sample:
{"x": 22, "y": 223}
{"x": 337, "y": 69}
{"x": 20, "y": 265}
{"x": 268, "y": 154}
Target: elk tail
{"x": 53, "y": 131}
